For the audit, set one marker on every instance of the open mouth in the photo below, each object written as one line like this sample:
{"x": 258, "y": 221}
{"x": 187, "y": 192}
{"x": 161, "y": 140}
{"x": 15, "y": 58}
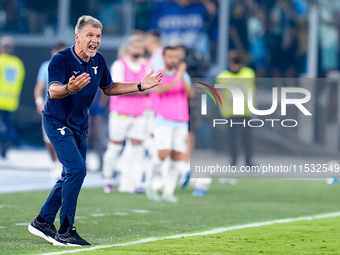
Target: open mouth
{"x": 93, "y": 47}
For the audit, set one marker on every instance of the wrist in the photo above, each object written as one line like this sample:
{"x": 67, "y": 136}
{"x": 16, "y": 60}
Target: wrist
{"x": 67, "y": 91}
{"x": 39, "y": 100}
{"x": 139, "y": 86}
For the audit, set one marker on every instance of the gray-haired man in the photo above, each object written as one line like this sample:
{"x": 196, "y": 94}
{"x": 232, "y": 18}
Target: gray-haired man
{"x": 74, "y": 76}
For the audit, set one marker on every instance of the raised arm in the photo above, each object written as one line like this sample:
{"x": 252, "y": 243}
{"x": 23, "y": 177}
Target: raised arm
{"x": 39, "y": 92}
{"x": 121, "y": 88}
{"x": 179, "y": 76}
{"x": 166, "y": 87}
{"x": 75, "y": 84}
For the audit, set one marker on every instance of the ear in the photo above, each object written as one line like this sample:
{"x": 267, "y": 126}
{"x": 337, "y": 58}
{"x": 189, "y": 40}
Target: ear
{"x": 76, "y": 36}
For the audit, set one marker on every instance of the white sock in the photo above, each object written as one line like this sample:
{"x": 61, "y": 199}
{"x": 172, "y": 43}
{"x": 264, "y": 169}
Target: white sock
{"x": 110, "y": 161}
{"x": 131, "y": 176}
{"x": 137, "y": 158}
{"x": 159, "y": 181}
{"x": 123, "y": 162}
{"x": 184, "y": 170}
{"x": 172, "y": 177}
{"x": 150, "y": 174}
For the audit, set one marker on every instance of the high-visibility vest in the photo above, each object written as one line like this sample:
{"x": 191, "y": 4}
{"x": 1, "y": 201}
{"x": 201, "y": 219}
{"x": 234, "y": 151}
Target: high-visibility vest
{"x": 244, "y": 79}
{"x": 12, "y": 73}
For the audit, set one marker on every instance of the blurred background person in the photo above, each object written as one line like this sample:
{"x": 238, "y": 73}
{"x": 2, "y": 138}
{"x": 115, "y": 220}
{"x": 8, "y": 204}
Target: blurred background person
{"x": 239, "y": 135}
{"x": 329, "y": 40}
{"x": 282, "y": 40}
{"x": 154, "y": 49}
{"x": 12, "y": 74}
{"x": 40, "y": 95}
{"x": 257, "y": 44}
{"x": 238, "y": 28}
{"x": 181, "y": 52}
{"x": 192, "y": 102}
{"x": 171, "y": 125}
{"x": 127, "y": 121}
{"x": 153, "y": 44}
{"x": 182, "y": 19}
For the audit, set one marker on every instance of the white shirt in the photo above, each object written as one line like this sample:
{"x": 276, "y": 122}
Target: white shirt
{"x": 117, "y": 68}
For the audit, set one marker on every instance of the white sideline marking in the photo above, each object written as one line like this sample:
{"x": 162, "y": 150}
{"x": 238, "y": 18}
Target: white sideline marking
{"x": 1, "y": 227}
{"x": 98, "y": 215}
{"x": 208, "y": 232}
{"x": 22, "y": 224}
{"x": 120, "y": 213}
{"x": 140, "y": 211}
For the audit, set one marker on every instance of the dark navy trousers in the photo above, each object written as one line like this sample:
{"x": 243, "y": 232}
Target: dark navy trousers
{"x": 70, "y": 146}
{"x": 7, "y": 132}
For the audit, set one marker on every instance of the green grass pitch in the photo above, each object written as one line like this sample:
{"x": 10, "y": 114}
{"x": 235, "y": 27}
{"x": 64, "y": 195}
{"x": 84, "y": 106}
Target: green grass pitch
{"x": 306, "y": 237}
{"x": 110, "y": 218}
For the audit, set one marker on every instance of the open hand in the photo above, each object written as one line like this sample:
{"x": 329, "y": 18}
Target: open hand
{"x": 77, "y": 83}
{"x": 150, "y": 82}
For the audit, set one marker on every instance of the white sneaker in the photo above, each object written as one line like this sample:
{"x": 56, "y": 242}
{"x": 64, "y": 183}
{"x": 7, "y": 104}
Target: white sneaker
{"x": 332, "y": 181}
{"x": 152, "y": 194}
{"x": 170, "y": 199}
{"x": 109, "y": 188}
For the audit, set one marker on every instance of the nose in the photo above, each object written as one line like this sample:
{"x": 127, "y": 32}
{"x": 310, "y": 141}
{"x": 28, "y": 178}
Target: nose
{"x": 95, "y": 39}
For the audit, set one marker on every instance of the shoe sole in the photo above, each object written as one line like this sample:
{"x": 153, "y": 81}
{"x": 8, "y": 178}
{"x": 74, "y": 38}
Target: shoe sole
{"x": 56, "y": 243}
{"x": 37, "y": 232}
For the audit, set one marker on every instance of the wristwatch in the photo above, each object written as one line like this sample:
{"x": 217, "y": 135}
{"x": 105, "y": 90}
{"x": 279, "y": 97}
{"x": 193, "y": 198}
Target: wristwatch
{"x": 139, "y": 86}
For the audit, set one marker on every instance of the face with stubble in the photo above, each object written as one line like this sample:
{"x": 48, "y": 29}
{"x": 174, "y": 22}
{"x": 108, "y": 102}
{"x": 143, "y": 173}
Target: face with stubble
{"x": 171, "y": 59}
{"x": 88, "y": 41}
{"x": 136, "y": 50}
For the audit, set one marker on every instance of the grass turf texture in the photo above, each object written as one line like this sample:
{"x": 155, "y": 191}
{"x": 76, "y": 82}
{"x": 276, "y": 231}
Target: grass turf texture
{"x": 306, "y": 237}
{"x": 108, "y": 218}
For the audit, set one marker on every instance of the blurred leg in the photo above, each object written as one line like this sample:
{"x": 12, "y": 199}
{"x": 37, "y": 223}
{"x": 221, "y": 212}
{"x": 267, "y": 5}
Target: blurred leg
{"x": 233, "y": 144}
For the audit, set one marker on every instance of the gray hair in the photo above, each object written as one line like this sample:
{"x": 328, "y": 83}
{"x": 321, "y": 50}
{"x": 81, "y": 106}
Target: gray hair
{"x": 87, "y": 20}
{"x": 134, "y": 38}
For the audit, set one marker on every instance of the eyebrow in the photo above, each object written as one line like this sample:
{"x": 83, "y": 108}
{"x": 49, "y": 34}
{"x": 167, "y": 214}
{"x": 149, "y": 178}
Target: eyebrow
{"x": 91, "y": 33}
